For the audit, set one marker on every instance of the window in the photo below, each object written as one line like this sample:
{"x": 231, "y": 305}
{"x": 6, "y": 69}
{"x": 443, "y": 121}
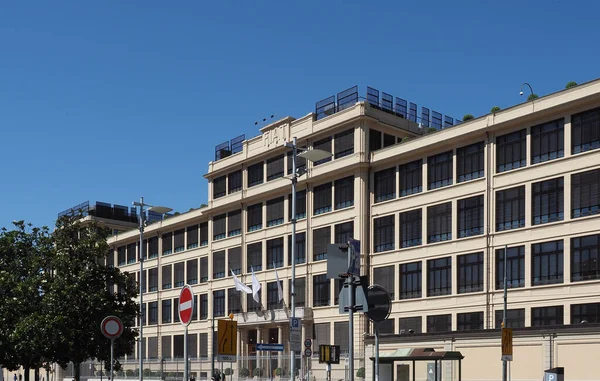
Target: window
{"x": 256, "y": 174}
{"x": 439, "y": 170}
{"x": 511, "y": 151}
{"x": 388, "y": 140}
{"x": 411, "y": 228}
{"x": 321, "y": 239}
{"x": 131, "y": 253}
{"x": 167, "y": 243}
{"x": 343, "y": 232}
{"x": 195, "y": 309}
{"x": 234, "y": 180}
{"x": 234, "y": 223}
{"x": 340, "y": 335}
{"x": 121, "y": 257}
{"x": 547, "y": 263}
{"x": 344, "y": 143}
{"x": 152, "y": 247}
{"x": 178, "y": 346}
{"x": 414, "y": 324}
{"x": 547, "y": 141}
{"x": 234, "y": 260}
{"x": 439, "y": 323}
{"x": 203, "y": 306}
{"x": 374, "y": 140}
{"x": 219, "y": 223}
{"x": 300, "y": 288}
{"x": 585, "y": 313}
{"x": 192, "y": 236}
{"x": 387, "y": 327}
{"x": 515, "y": 267}
{"x": 178, "y": 238}
{"x": 344, "y": 192}
{"x": 383, "y": 233}
{"x": 470, "y": 321}
{"x": 204, "y": 234}
{"x": 584, "y": 258}
{"x": 469, "y": 162}
{"x": 325, "y": 145}
{"x": 176, "y": 310}
{"x": 322, "y": 198}
{"x": 153, "y": 279}
{"x": 439, "y": 222}
{"x": 384, "y": 276}
{"x": 411, "y": 178}
{"x": 219, "y": 187}
{"x": 152, "y": 313}
{"x": 275, "y": 253}
{"x": 193, "y": 345}
{"x": 410, "y": 280}
{"x": 273, "y": 295}
{"x": 585, "y": 193}
{"x": 203, "y": 346}
{"x": 385, "y": 184}
{"x": 254, "y": 253}
{"x": 300, "y": 163}
{"x": 470, "y": 216}
{"x": 439, "y": 276}
{"x": 300, "y": 249}
{"x": 166, "y": 277}
{"x": 166, "y": 347}
{"x": 253, "y": 305}
{"x": 275, "y": 168}
{"x": 510, "y": 208}
{"x": 219, "y": 264}
{"x": 515, "y": 318}
{"x": 321, "y": 334}
{"x": 233, "y": 301}
{"x": 153, "y": 347}
{"x": 547, "y": 204}
{"x": 179, "y": 274}
{"x": 192, "y": 271}
{"x": 203, "y": 269}
{"x": 321, "y": 290}
{"x": 254, "y": 217}
{"x": 275, "y": 212}
{"x": 219, "y": 302}
{"x": 547, "y": 316}
{"x": 338, "y": 285}
{"x": 166, "y": 311}
{"x": 470, "y": 273}
{"x": 300, "y": 205}
{"x": 585, "y": 131}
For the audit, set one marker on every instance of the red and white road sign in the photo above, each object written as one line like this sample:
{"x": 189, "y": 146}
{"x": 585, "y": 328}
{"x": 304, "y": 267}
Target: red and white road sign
{"x": 111, "y": 327}
{"x": 186, "y": 305}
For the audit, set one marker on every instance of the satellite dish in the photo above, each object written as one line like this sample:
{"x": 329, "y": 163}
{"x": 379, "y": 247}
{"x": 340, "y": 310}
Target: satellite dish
{"x": 380, "y": 303}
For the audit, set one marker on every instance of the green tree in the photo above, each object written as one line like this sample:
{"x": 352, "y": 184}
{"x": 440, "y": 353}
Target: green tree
{"x": 571, "y": 84}
{"x": 360, "y": 373}
{"x": 495, "y": 109}
{"x": 468, "y": 117}
{"x": 532, "y": 97}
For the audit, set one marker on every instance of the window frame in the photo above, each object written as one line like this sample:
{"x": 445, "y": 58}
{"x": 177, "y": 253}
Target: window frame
{"x": 508, "y": 143}
{"x": 440, "y": 169}
{"x": 470, "y": 162}
{"x": 551, "y": 134}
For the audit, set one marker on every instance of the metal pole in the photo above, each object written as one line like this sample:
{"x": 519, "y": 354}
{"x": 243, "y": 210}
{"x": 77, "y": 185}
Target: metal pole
{"x": 270, "y": 370}
{"x": 293, "y": 255}
{"x": 141, "y": 348}
{"x": 376, "y": 351}
{"x": 112, "y": 347}
{"x": 504, "y": 373}
{"x": 350, "y": 321}
{"x": 212, "y": 358}
{"x": 185, "y": 355}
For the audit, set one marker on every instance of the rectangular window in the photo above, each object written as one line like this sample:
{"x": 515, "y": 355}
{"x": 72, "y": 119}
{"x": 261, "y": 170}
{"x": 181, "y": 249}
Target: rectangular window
{"x": 166, "y": 311}
{"x": 470, "y": 321}
{"x": 300, "y": 163}
{"x": 511, "y": 151}
{"x": 548, "y": 141}
{"x": 254, "y": 217}
{"x": 387, "y": 327}
{"x": 515, "y": 267}
{"x": 166, "y": 277}
{"x": 193, "y": 345}
{"x": 275, "y": 253}
{"x": 178, "y": 238}
{"x": 439, "y": 323}
{"x": 510, "y": 208}
{"x": 343, "y": 232}
{"x": 275, "y": 168}
{"x": 219, "y": 187}
{"x": 585, "y": 131}
{"x": 233, "y": 301}
{"x": 273, "y": 302}
{"x": 203, "y": 269}
{"x": 152, "y": 247}
{"x": 203, "y": 306}
{"x": 385, "y": 184}
{"x": 344, "y": 192}
{"x": 121, "y": 256}
{"x": 300, "y": 205}
{"x": 153, "y": 347}
{"x": 470, "y": 216}
{"x": 385, "y": 277}
{"x": 340, "y": 335}
{"x": 195, "y": 309}
{"x": 547, "y": 263}
{"x": 470, "y": 273}
{"x": 439, "y": 276}
{"x": 321, "y": 239}
{"x": 153, "y": 279}
{"x": 410, "y": 325}
{"x": 548, "y": 201}
{"x": 388, "y": 140}
{"x": 300, "y": 288}
{"x": 275, "y": 212}
{"x": 256, "y": 174}
{"x": 167, "y": 243}
{"x": 166, "y": 347}
{"x": 192, "y": 271}
{"x": 219, "y": 264}
{"x": 325, "y": 145}
{"x": 322, "y": 334}
{"x": 321, "y": 290}
{"x": 219, "y": 302}
{"x": 152, "y": 313}
{"x": 383, "y": 233}
{"x": 322, "y": 198}
{"x": 192, "y": 236}
{"x": 204, "y": 234}
{"x": 439, "y": 170}
{"x": 410, "y": 280}
{"x": 176, "y": 310}
{"x": 252, "y": 305}
{"x": 234, "y": 259}
{"x": 585, "y": 258}
{"x": 234, "y": 223}
{"x": 585, "y": 313}
{"x": 254, "y": 253}
{"x": 439, "y": 222}
{"x": 300, "y": 249}
{"x": 234, "y": 182}
{"x": 515, "y": 318}
{"x": 178, "y": 346}
{"x": 374, "y": 140}
{"x": 131, "y": 253}
{"x": 179, "y": 269}
{"x": 411, "y": 228}
{"x": 344, "y": 143}
{"x": 411, "y": 178}
{"x": 469, "y": 162}
{"x": 219, "y": 224}
{"x": 585, "y": 193}
{"x": 203, "y": 346}
{"x": 547, "y": 316}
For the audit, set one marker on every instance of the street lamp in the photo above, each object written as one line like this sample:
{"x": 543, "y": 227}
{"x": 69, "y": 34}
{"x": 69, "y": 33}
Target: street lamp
{"x": 310, "y": 155}
{"x": 158, "y": 210}
{"x": 523, "y": 85}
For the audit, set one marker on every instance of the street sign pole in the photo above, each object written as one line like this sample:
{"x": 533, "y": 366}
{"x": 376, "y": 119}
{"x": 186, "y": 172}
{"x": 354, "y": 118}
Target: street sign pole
{"x": 186, "y": 311}
{"x": 112, "y": 350}
{"x": 504, "y": 370}
{"x": 111, "y": 327}
{"x": 376, "y": 351}
{"x": 185, "y": 354}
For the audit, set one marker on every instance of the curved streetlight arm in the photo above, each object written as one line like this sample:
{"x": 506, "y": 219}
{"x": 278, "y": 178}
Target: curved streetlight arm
{"x": 528, "y": 85}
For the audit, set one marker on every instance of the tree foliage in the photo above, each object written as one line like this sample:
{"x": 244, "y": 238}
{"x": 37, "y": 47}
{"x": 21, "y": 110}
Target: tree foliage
{"x": 468, "y": 117}
{"x": 532, "y": 97}
{"x": 495, "y": 109}
{"x": 570, "y": 84}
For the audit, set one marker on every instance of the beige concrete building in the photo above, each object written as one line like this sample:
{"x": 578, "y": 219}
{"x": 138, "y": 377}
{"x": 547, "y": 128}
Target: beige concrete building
{"x": 434, "y": 213}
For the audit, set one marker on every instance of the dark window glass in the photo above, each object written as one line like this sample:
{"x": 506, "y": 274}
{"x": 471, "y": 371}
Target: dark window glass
{"x": 321, "y": 290}
{"x": 338, "y": 284}
{"x": 410, "y": 325}
{"x": 219, "y": 302}
{"x": 219, "y": 224}
{"x": 153, "y": 347}
{"x": 411, "y": 178}
{"x": 273, "y": 302}
{"x": 374, "y": 140}
{"x": 383, "y": 233}
{"x": 385, "y": 184}
{"x": 321, "y": 239}
{"x": 469, "y": 321}
{"x": 152, "y": 313}
{"x": 300, "y": 289}
{"x": 511, "y": 151}
{"x": 254, "y": 254}
{"x": 547, "y": 263}
{"x": 510, "y": 208}
{"x": 388, "y": 140}
{"x": 204, "y": 234}
{"x": 411, "y": 228}
{"x": 325, "y": 145}
{"x": 234, "y": 180}
{"x": 410, "y": 280}
{"x": 254, "y": 217}
{"x": 515, "y": 267}
{"x": 178, "y": 346}
{"x": 439, "y": 276}
{"x": 321, "y": 334}
{"x": 153, "y": 279}
{"x": 203, "y": 306}
{"x": 195, "y": 310}
{"x": 275, "y": 168}
{"x": 178, "y": 238}
{"x": 166, "y": 311}
{"x": 167, "y": 243}
{"x": 343, "y": 232}
{"x": 300, "y": 250}
{"x": 585, "y": 131}
{"x": 547, "y": 316}
{"x": 344, "y": 143}
{"x": 275, "y": 212}
{"x": 548, "y": 201}
{"x": 470, "y": 273}
{"x": 203, "y": 269}
{"x": 152, "y": 247}
{"x": 179, "y": 270}
{"x": 515, "y": 318}
{"x": 166, "y": 277}
{"x": 470, "y": 216}
{"x": 439, "y": 323}
{"x": 220, "y": 187}
{"x": 192, "y": 271}
{"x": 585, "y": 193}
{"x": 469, "y": 162}
{"x": 344, "y": 192}
{"x": 385, "y": 277}
{"x": 585, "y": 313}
{"x": 275, "y": 253}
{"x": 322, "y": 198}
{"x": 192, "y": 236}
{"x": 219, "y": 264}
{"x": 300, "y": 164}
{"x": 252, "y": 305}
{"x": 193, "y": 345}
{"x": 387, "y": 327}
{"x": 234, "y": 258}
{"x": 203, "y": 346}
{"x": 166, "y": 347}
{"x": 547, "y": 141}
{"x": 176, "y": 310}
{"x": 131, "y": 252}
{"x": 439, "y": 222}
{"x": 340, "y": 335}
{"x": 439, "y": 170}
{"x": 300, "y": 205}
{"x": 234, "y": 302}
{"x": 256, "y": 174}
{"x": 585, "y": 258}
{"x": 121, "y": 257}
{"x": 234, "y": 223}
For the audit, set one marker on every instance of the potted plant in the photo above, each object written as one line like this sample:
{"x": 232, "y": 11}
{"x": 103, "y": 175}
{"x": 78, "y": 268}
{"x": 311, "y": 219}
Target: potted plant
{"x": 495, "y": 109}
{"x": 244, "y": 372}
{"x": 360, "y": 373}
{"x": 257, "y": 372}
{"x": 468, "y": 117}
{"x": 571, "y": 84}
{"x": 280, "y": 372}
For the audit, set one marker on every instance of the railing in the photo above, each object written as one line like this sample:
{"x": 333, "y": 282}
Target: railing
{"x": 109, "y": 211}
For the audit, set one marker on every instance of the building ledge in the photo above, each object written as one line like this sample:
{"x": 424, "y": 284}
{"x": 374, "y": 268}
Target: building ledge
{"x": 272, "y": 316}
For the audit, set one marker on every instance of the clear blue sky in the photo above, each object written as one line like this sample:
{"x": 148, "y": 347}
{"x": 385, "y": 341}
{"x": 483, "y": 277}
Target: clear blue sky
{"x": 113, "y": 100}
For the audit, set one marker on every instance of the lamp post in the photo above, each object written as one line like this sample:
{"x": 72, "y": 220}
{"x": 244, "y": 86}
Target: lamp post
{"x": 504, "y": 363}
{"x": 528, "y": 85}
{"x": 159, "y": 210}
{"x": 310, "y": 155}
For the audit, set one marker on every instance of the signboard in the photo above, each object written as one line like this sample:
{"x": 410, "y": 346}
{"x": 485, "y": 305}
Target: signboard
{"x": 296, "y": 334}
{"x": 307, "y": 352}
{"x": 307, "y": 343}
{"x": 431, "y": 371}
{"x": 270, "y": 347}
{"x": 186, "y": 305}
{"x": 227, "y": 340}
{"x": 507, "y": 344}
{"x": 329, "y": 354}
{"x": 380, "y": 303}
{"x": 354, "y": 257}
{"x": 360, "y": 296}
{"x": 337, "y": 260}
{"x": 111, "y": 327}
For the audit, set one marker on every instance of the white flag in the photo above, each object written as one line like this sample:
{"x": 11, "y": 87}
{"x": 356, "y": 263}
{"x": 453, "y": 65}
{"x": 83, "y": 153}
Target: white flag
{"x": 279, "y": 289}
{"x": 239, "y": 285}
{"x": 255, "y": 287}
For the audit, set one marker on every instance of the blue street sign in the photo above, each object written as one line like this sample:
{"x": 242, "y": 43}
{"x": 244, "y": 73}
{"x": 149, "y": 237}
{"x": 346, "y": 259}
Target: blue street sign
{"x": 270, "y": 347}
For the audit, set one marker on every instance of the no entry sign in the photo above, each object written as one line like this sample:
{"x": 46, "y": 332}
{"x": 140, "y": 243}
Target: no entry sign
{"x": 186, "y": 305}
{"x": 111, "y": 327}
